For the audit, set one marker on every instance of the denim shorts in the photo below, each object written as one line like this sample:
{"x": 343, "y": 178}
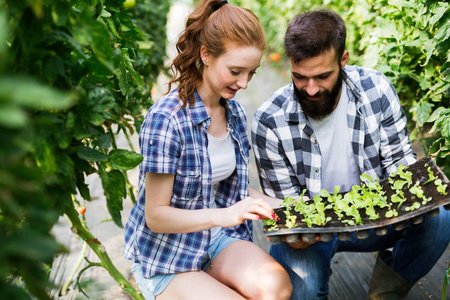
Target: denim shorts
{"x": 153, "y": 286}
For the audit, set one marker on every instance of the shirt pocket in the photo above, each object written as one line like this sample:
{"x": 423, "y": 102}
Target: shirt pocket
{"x": 188, "y": 184}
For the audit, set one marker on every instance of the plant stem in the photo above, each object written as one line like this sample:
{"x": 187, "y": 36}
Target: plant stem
{"x": 74, "y": 269}
{"x": 446, "y": 281}
{"x": 100, "y": 251}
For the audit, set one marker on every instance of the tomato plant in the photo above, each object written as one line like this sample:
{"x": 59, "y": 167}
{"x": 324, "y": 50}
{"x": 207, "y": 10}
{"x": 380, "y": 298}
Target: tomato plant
{"x": 73, "y": 74}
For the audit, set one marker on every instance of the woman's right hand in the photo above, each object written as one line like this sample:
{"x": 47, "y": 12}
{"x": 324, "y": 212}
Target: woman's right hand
{"x": 246, "y": 209}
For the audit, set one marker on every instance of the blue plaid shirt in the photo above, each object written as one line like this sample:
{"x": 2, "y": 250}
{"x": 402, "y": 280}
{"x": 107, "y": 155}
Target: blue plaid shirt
{"x": 174, "y": 140}
{"x": 287, "y": 154}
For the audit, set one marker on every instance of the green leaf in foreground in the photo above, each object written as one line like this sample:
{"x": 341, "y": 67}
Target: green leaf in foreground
{"x": 115, "y": 192}
{"x": 90, "y": 154}
{"x": 124, "y": 160}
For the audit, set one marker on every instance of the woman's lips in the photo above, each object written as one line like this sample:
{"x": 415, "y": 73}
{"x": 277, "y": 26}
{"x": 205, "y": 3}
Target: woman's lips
{"x": 230, "y": 90}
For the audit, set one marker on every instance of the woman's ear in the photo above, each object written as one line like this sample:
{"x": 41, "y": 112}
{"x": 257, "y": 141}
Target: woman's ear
{"x": 204, "y": 56}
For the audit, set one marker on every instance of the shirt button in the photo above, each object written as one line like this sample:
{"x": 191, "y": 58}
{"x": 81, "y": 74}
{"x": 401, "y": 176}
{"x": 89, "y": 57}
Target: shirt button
{"x": 192, "y": 173}
{"x": 315, "y": 141}
{"x": 317, "y": 170}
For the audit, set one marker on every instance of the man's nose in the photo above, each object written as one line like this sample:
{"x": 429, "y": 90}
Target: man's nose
{"x": 312, "y": 87}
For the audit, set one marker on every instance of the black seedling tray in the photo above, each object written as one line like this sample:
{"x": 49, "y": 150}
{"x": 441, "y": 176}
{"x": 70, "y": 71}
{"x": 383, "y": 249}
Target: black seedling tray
{"x": 419, "y": 173}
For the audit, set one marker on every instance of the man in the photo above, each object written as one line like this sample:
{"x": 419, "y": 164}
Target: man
{"x": 330, "y": 125}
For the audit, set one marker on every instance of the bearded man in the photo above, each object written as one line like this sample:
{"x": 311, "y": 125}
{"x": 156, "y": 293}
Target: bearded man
{"x": 333, "y": 123}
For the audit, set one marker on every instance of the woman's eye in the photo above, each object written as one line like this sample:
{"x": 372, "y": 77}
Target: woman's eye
{"x": 235, "y": 73}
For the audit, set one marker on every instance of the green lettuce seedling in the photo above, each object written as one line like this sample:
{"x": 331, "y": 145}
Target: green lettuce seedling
{"x": 291, "y": 221}
{"x": 414, "y": 206}
{"x": 398, "y": 197}
{"x": 442, "y": 189}
{"x": 431, "y": 176}
{"x": 404, "y": 175}
{"x": 417, "y": 190}
{"x": 391, "y": 213}
{"x": 271, "y": 224}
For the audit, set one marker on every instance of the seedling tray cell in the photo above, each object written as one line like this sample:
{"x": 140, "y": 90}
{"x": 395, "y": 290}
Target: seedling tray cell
{"x": 420, "y": 173}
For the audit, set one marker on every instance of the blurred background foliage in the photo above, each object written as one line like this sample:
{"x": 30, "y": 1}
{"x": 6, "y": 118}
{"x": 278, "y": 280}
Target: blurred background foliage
{"x": 75, "y": 73}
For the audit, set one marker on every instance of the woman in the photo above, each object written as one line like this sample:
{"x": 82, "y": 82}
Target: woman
{"x": 189, "y": 233}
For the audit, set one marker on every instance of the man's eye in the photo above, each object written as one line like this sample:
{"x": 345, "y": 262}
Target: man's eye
{"x": 324, "y": 76}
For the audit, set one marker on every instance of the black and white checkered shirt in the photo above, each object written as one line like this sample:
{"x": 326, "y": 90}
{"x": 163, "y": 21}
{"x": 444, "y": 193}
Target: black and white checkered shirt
{"x": 288, "y": 156}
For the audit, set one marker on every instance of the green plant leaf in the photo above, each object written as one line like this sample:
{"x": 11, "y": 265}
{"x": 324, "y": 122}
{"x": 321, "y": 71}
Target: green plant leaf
{"x": 116, "y": 192}
{"x": 443, "y": 33}
{"x": 423, "y": 112}
{"x": 12, "y": 116}
{"x": 121, "y": 159}
{"x": 90, "y": 154}
{"x": 29, "y": 93}
{"x": 104, "y": 140}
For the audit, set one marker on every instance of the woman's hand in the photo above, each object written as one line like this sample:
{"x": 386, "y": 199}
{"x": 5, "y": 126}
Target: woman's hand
{"x": 246, "y": 209}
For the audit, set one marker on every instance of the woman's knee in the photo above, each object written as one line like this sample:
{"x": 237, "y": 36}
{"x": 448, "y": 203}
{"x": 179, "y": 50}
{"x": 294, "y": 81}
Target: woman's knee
{"x": 275, "y": 285}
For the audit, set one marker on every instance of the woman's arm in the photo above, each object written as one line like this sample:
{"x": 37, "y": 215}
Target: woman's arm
{"x": 162, "y": 218}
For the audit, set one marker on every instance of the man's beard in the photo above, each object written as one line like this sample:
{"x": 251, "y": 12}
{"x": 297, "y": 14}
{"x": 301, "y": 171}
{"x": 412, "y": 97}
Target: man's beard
{"x": 319, "y": 109}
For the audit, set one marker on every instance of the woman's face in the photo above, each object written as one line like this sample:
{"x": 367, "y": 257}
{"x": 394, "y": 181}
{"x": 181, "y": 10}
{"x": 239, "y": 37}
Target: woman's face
{"x": 223, "y": 76}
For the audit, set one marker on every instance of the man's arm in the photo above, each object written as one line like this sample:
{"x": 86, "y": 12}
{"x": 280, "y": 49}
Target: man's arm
{"x": 396, "y": 147}
{"x": 275, "y": 172}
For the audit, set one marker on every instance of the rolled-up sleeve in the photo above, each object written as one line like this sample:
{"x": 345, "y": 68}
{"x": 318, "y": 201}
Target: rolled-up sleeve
{"x": 160, "y": 144}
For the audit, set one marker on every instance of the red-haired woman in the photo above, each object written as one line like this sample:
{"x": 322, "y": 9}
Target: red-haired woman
{"x": 189, "y": 234}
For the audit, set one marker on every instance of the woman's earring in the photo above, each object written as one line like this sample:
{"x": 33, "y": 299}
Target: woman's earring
{"x": 205, "y": 62}
{"x": 198, "y": 64}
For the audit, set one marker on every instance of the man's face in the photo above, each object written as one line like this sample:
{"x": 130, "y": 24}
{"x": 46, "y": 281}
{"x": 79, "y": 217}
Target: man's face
{"x": 318, "y": 82}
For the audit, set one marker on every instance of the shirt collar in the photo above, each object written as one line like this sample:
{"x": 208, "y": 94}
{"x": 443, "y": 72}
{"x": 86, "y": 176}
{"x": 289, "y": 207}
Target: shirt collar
{"x": 293, "y": 110}
{"x": 199, "y": 113}
{"x": 198, "y": 110}
{"x": 351, "y": 85}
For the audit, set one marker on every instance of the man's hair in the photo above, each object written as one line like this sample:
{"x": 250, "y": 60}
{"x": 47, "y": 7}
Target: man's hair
{"x": 314, "y": 32}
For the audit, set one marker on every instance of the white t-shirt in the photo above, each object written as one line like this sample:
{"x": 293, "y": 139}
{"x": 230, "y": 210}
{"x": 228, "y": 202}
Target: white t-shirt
{"x": 223, "y": 163}
{"x": 339, "y": 166}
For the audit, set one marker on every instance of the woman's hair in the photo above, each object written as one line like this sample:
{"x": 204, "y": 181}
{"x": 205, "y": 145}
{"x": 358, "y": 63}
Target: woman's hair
{"x": 214, "y": 25}
{"x": 313, "y": 33}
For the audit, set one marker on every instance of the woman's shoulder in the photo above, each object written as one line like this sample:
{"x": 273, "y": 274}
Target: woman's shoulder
{"x": 167, "y": 105}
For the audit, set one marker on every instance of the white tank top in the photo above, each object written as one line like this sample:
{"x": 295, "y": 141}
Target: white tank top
{"x": 222, "y": 157}
{"x": 339, "y": 166}
{"x": 223, "y": 163}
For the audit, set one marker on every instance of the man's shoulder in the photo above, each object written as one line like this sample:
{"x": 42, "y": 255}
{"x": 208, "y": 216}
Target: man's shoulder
{"x": 275, "y": 104}
{"x": 364, "y": 78}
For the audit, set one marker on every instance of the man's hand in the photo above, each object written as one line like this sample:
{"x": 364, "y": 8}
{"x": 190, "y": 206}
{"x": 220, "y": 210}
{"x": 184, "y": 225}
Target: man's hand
{"x": 300, "y": 244}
